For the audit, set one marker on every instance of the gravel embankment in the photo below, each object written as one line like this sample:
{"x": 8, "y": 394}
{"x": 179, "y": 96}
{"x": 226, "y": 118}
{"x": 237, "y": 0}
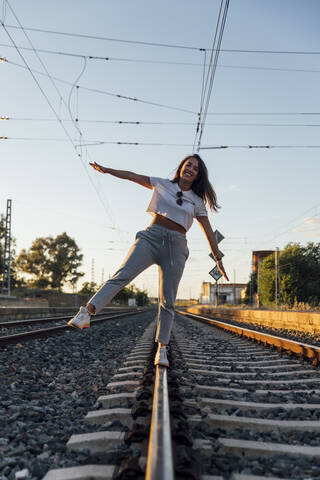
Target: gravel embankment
{"x": 303, "y": 337}
{"x": 7, "y": 329}
{"x": 221, "y": 463}
{"x": 48, "y": 386}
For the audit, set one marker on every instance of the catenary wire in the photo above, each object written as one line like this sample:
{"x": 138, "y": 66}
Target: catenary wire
{"x": 205, "y": 81}
{"x": 164, "y": 106}
{"x": 207, "y": 96}
{"x": 160, "y": 62}
{"x": 166, "y": 45}
{"x": 104, "y": 92}
{"x": 93, "y": 143}
{"x": 138, "y": 122}
{"x": 294, "y": 221}
{"x": 49, "y": 102}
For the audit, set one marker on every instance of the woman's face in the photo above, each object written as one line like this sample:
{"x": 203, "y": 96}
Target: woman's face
{"x": 190, "y": 170}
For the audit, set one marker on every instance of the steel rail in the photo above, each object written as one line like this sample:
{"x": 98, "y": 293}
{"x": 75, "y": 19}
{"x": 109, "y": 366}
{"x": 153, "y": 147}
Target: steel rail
{"x": 309, "y": 351}
{"x": 35, "y": 321}
{"x": 160, "y": 456}
{"x": 46, "y": 332}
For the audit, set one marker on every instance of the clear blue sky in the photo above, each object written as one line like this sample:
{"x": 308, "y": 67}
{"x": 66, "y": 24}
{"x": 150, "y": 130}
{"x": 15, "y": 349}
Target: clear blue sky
{"x": 268, "y": 197}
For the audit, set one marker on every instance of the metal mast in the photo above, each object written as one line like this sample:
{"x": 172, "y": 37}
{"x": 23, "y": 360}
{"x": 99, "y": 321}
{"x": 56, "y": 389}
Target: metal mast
{"x": 6, "y": 272}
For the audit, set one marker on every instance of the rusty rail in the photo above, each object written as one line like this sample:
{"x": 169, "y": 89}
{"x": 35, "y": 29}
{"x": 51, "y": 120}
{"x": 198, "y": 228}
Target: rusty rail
{"x": 308, "y": 351}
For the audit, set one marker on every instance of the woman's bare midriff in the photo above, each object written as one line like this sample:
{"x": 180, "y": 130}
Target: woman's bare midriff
{"x": 167, "y": 223}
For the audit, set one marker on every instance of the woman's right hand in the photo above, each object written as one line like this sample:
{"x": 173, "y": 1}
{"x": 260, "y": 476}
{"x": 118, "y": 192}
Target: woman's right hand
{"x": 98, "y": 167}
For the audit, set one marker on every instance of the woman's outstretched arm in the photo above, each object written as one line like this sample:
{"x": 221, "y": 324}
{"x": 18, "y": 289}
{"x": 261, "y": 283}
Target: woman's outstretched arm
{"x": 209, "y": 233}
{"x": 134, "y": 177}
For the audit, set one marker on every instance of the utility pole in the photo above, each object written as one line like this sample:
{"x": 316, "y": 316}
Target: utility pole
{"x": 258, "y": 285}
{"x": 234, "y": 287}
{"x": 216, "y": 295}
{"x": 251, "y": 285}
{"x": 6, "y": 272}
{"x": 277, "y": 277}
{"x": 92, "y": 271}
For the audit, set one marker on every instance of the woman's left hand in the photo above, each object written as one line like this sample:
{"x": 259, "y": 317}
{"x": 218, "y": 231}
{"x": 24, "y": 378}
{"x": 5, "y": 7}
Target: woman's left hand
{"x": 222, "y": 270}
{"x": 97, "y": 167}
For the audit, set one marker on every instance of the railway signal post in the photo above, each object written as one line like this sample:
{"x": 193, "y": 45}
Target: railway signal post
{"x": 215, "y": 272}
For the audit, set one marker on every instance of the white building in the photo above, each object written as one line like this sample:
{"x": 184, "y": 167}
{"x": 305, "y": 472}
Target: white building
{"x": 227, "y": 293}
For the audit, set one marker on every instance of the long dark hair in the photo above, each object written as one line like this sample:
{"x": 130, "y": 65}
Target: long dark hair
{"x": 201, "y": 185}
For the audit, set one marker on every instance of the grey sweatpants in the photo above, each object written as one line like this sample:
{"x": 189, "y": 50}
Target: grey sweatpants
{"x": 155, "y": 245}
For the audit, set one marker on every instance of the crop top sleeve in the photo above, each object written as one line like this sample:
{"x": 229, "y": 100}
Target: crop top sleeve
{"x": 200, "y": 209}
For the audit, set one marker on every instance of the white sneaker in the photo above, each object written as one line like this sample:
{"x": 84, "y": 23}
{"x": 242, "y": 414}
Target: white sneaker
{"x": 161, "y": 357}
{"x": 81, "y": 320}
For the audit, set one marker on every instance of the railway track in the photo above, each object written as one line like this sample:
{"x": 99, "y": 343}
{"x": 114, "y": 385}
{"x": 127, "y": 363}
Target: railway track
{"x": 25, "y": 330}
{"x": 238, "y": 411}
{"x": 251, "y": 410}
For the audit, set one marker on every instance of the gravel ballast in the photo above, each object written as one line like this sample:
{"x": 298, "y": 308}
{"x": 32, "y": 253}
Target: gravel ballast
{"x": 215, "y": 343}
{"x": 48, "y": 386}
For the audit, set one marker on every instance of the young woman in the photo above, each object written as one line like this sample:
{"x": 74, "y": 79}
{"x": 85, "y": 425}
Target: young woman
{"x": 174, "y": 204}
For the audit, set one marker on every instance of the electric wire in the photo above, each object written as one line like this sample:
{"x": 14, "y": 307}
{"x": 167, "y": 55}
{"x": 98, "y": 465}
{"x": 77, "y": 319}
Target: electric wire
{"x": 143, "y": 122}
{"x": 76, "y": 119}
{"x": 205, "y": 83}
{"x": 294, "y": 221}
{"x": 162, "y": 105}
{"x": 202, "y": 96}
{"x": 257, "y": 146}
{"x": 94, "y": 143}
{"x": 104, "y": 92}
{"x": 47, "y": 99}
{"x": 155, "y": 123}
{"x": 109, "y": 39}
{"x": 160, "y": 62}
{"x": 165, "y": 45}
{"x": 208, "y": 92}
{"x": 4, "y": 11}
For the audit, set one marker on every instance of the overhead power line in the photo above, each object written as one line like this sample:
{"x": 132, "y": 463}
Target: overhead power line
{"x": 218, "y": 147}
{"x": 294, "y": 221}
{"x": 160, "y": 62}
{"x": 155, "y": 123}
{"x": 47, "y": 99}
{"x": 164, "y": 45}
{"x": 211, "y": 71}
{"x": 104, "y": 92}
{"x": 170, "y": 107}
{"x": 94, "y": 143}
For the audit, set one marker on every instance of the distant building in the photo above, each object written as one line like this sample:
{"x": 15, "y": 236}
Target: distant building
{"x": 227, "y": 293}
{"x": 257, "y": 256}
{"x": 207, "y": 293}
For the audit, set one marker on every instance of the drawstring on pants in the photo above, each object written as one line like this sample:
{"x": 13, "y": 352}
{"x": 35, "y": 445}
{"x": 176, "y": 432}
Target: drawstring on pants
{"x": 167, "y": 237}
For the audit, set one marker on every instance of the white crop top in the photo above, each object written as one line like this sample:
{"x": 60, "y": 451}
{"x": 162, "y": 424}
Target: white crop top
{"x": 164, "y": 202}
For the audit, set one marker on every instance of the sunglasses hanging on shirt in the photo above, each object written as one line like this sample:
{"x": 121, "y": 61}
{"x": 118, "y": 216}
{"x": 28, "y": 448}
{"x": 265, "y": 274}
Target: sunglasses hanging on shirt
{"x": 179, "y": 199}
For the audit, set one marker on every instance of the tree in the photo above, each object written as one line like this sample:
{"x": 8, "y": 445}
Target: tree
{"x": 299, "y": 275}
{"x": 88, "y": 288}
{"x": 142, "y": 298}
{"x": 65, "y": 259}
{"x": 251, "y": 289}
{"x": 51, "y": 261}
{"x": 125, "y": 294}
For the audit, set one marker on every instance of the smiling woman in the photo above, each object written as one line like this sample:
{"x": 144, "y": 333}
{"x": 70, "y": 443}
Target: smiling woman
{"x": 174, "y": 205}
